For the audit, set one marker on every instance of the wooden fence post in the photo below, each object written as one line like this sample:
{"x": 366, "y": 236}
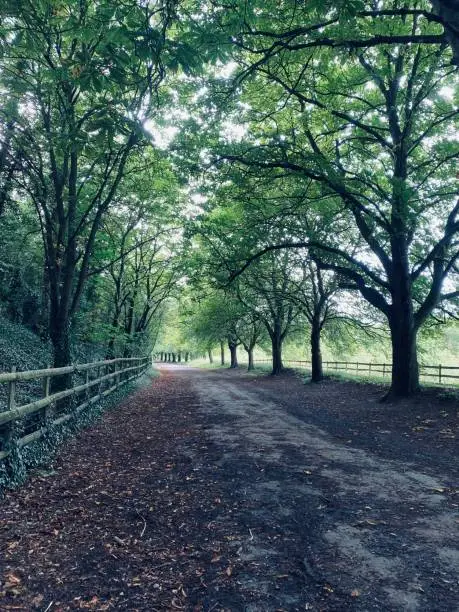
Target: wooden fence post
{"x": 439, "y": 373}
{"x": 10, "y": 427}
{"x": 46, "y": 384}
{"x": 86, "y": 382}
{"x": 99, "y": 386}
{"x": 12, "y": 391}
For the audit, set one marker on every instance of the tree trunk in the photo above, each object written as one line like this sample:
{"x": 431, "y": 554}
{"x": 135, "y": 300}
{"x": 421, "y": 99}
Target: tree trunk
{"x": 233, "y": 355}
{"x": 62, "y": 356}
{"x": 111, "y": 344}
{"x": 316, "y": 355}
{"x": 251, "y": 365}
{"x": 222, "y": 352}
{"x": 186, "y": 357}
{"x": 276, "y": 345}
{"x": 129, "y": 323}
{"x": 211, "y": 357}
{"x": 405, "y": 370}
{"x": 45, "y": 308}
{"x": 179, "y": 357}
{"x": 173, "y": 357}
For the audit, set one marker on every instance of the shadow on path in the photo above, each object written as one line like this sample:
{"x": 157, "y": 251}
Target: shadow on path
{"x": 199, "y": 493}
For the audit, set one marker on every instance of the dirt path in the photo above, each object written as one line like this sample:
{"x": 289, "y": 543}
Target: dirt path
{"x": 204, "y": 491}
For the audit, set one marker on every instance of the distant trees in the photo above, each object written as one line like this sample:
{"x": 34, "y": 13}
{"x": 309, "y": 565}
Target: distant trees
{"x": 212, "y": 321}
{"x": 142, "y": 278}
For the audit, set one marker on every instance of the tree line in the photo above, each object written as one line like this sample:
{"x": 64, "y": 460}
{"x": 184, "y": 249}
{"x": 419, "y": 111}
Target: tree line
{"x": 273, "y": 167}
{"x": 346, "y": 150}
{"x": 86, "y": 198}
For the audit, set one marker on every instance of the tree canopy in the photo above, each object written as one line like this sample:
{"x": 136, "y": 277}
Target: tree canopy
{"x": 248, "y": 169}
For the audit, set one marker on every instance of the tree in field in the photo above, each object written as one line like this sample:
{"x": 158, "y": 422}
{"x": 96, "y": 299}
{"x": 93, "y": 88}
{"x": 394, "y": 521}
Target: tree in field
{"x": 86, "y": 75}
{"x": 249, "y": 331}
{"x": 246, "y": 211}
{"x": 369, "y": 134}
{"x": 264, "y": 291}
{"x": 314, "y": 294}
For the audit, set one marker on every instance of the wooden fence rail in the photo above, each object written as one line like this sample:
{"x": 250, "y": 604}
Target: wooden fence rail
{"x": 440, "y": 373}
{"x": 27, "y": 423}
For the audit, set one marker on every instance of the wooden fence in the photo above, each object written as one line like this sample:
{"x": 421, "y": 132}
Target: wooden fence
{"x": 440, "y": 374}
{"x": 27, "y": 423}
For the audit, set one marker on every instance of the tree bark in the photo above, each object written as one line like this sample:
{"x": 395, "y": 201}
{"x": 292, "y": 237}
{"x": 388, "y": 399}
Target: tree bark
{"x": 60, "y": 338}
{"x": 405, "y": 369}
{"x": 251, "y": 365}
{"x": 276, "y": 344}
{"x": 186, "y": 357}
{"x": 222, "y": 352}
{"x": 45, "y": 307}
{"x": 448, "y": 10}
{"x": 113, "y": 332}
{"x": 316, "y": 355}
{"x": 211, "y": 357}
{"x": 129, "y": 324}
{"x": 233, "y": 355}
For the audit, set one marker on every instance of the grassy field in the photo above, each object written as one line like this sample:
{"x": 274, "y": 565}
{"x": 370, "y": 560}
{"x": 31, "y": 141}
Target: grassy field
{"x": 351, "y": 374}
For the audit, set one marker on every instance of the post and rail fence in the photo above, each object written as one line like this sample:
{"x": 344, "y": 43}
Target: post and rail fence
{"x": 26, "y": 423}
{"x": 439, "y": 374}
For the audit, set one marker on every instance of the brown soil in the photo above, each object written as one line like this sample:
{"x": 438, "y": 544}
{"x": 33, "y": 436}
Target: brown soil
{"x": 218, "y": 491}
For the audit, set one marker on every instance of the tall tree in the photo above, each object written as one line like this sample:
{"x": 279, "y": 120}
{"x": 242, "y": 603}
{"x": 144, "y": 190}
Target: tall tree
{"x": 371, "y": 138}
{"x": 249, "y": 330}
{"x": 264, "y": 291}
{"x": 86, "y": 75}
{"x": 313, "y": 293}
